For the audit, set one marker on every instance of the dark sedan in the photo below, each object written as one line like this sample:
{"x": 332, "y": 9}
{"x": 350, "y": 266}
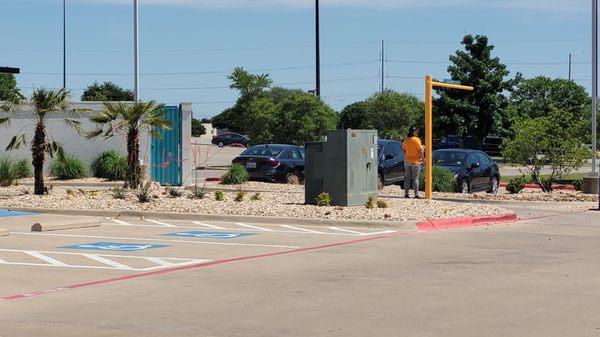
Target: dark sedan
{"x": 473, "y": 170}
{"x": 391, "y": 162}
{"x": 273, "y": 162}
{"x": 226, "y": 139}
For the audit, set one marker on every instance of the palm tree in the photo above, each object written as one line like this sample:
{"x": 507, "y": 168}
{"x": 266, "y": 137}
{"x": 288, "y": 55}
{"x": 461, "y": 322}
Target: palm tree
{"x": 130, "y": 119}
{"x": 43, "y": 108}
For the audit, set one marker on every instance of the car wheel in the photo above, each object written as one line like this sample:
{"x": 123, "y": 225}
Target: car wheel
{"x": 221, "y": 144}
{"x": 379, "y": 182}
{"x": 494, "y": 185}
{"x": 464, "y": 186}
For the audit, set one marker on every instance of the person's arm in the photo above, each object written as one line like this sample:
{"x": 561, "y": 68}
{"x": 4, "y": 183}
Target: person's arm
{"x": 404, "y": 147}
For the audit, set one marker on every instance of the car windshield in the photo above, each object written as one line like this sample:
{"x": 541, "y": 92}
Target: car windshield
{"x": 262, "y": 150}
{"x": 449, "y": 158}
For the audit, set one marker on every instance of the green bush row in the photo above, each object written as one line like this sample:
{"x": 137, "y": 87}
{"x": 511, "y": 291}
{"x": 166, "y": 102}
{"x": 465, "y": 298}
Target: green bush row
{"x": 11, "y": 170}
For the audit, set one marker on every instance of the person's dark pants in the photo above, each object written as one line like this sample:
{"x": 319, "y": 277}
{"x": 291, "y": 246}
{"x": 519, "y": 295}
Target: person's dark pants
{"x": 412, "y": 172}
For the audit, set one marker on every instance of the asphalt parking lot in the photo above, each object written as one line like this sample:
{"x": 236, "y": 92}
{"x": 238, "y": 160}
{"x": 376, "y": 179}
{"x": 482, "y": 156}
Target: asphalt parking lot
{"x": 536, "y": 277}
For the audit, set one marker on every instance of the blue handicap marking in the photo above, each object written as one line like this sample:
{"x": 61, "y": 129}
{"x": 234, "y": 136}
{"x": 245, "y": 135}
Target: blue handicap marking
{"x": 122, "y": 247}
{"x": 209, "y": 235}
{"x": 8, "y": 213}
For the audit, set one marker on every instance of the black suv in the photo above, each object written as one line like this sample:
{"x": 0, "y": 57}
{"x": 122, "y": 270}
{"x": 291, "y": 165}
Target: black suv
{"x": 225, "y": 139}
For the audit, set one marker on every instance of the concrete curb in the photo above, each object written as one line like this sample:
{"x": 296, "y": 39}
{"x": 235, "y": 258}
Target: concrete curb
{"x": 4, "y": 232}
{"x": 405, "y": 226}
{"x": 556, "y": 187}
{"x": 41, "y": 227}
{"x": 441, "y": 224}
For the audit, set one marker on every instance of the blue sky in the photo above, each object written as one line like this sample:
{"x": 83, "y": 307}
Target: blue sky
{"x": 188, "y": 47}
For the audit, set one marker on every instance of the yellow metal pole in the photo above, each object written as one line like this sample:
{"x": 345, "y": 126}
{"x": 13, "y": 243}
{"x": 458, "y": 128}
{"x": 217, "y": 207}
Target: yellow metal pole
{"x": 428, "y": 137}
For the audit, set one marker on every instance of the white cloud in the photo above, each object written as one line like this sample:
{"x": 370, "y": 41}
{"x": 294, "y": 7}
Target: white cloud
{"x": 545, "y": 5}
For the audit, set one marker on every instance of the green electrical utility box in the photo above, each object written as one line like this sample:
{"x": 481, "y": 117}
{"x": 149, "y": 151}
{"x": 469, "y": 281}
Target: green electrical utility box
{"x": 345, "y": 166}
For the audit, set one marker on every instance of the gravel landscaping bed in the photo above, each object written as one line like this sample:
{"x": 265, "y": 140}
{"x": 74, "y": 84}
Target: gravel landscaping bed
{"x": 279, "y": 204}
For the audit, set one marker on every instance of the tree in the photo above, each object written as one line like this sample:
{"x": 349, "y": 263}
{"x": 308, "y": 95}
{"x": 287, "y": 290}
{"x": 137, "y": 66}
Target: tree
{"x": 197, "y": 128}
{"x": 539, "y": 96}
{"x": 8, "y": 88}
{"x": 130, "y": 120}
{"x": 547, "y": 140}
{"x": 249, "y": 86}
{"x": 107, "y": 91}
{"x": 391, "y": 113}
{"x": 482, "y": 111}
{"x": 42, "y": 107}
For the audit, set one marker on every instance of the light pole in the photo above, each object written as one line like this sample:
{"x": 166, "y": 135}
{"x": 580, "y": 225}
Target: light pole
{"x": 594, "y": 174}
{"x": 571, "y": 54}
{"x": 64, "y": 44}
{"x": 318, "y": 51}
{"x": 136, "y": 60}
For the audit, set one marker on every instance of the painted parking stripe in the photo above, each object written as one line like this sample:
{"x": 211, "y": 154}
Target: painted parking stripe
{"x": 302, "y": 229}
{"x": 254, "y": 227}
{"x": 207, "y": 225}
{"x": 161, "y": 223}
{"x": 120, "y": 222}
{"x": 156, "y": 240}
{"x": 380, "y": 233}
{"x": 345, "y": 230}
{"x": 105, "y": 260}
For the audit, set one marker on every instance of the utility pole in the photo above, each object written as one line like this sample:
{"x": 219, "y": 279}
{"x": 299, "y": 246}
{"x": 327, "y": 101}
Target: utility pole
{"x": 136, "y": 60}
{"x": 594, "y": 80}
{"x": 382, "y": 66}
{"x": 64, "y": 44}
{"x": 318, "y": 50}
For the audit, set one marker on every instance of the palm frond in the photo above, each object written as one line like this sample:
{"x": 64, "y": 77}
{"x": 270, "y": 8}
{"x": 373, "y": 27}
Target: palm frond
{"x": 75, "y": 124}
{"x": 55, "y": 148}
{"x": 5, "y": 121}
{"x": 16, "y": 142}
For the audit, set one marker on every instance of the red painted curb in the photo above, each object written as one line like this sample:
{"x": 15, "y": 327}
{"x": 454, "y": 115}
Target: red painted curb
{"x": 212, "y": 179}
{"x": 441, "y": 224}
{"x": 556, "y": 187}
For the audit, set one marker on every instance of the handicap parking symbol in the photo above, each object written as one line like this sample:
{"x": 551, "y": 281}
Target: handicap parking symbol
{"x": 209, "y": 235}
{"x": 121, "y": 247}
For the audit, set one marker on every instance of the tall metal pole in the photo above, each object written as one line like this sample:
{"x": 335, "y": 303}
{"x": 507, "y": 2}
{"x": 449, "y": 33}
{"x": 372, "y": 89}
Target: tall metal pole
{"x": 428, "y": 137}
{"x": 318, "y": 50}
{"x": 64, "y": 44}
{"x": 570, "y": 57}
{"x": 136, "y": 60}
{"x": 382, "y": 66}
{"x": 594, "y": 80}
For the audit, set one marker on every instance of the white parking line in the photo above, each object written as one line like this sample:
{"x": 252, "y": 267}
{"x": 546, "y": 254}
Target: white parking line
{"x": 254, "y": 227}
{"x": 207, "y": 225}
{"x": 104, "y": 259}
{"x": 164, "y": 224}
{"x": 303, "y": 229}
{"x": 120, "y": 222}
{"x": 156, "y": 240}
{"x": 346, "y": 230}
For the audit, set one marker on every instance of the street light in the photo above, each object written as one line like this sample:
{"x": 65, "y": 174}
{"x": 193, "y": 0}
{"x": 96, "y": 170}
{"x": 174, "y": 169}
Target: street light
{"x": 318, "y": 50}
{"x": 64, "y": 44}
{"x": 570, "y": 61}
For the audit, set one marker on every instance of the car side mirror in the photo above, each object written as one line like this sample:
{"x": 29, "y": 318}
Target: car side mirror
{"x": 389, "y": 156}
{"x": 475, "y": 165}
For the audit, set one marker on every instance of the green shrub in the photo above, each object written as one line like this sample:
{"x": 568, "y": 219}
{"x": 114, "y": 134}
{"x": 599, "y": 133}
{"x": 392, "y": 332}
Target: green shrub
{"x": 578, "y": 184}
{"x": 382, "y": 204}
{"x": 23, "y": 169}
{"x": 219, "y": 195}
{"x": 371, "y": 202}
{"x": 198, "y": 192}
{"x": 7, "y": 171}
{"x": 236, "y": 175}
{"x": 323, "y": 199}
{"x": 69, "y": 168}
{"x": 119, "y": 192}
{"x": 143, "y": 194}
{"x": 256, "y": 197}
{"x": 174, "y": 192}
{"x": 110, "y": 165}
{"x": 516, "y": 185}
{"x": 443, "y": 180}
{"x": 239, "y": 197}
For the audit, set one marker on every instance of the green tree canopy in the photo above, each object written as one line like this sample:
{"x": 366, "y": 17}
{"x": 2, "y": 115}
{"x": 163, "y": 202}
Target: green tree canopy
{"x": 197, "y": 128}
{"x": 482, "y": 111}
{"x": 8, "y": 88}
{"x": 391, "y": 113}
{"x": 107, "y": 91}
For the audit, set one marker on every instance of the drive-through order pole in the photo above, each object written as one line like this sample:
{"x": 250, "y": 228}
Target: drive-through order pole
{"x": 429, "y": 85}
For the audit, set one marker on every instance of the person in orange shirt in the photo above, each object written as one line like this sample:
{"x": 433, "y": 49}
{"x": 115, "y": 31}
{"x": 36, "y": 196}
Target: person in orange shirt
{"x": 413, "y": 149}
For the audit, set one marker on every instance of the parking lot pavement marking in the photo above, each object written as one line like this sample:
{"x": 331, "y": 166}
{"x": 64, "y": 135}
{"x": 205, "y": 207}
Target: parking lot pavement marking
{"x": 105, "y": 260}
{"x": 164, "y": 224}
{"x": 380, "y": 233}
{"x": 346, "y": 231}
{"x": 120, "y": 222}
{"x": 254, "y": 227}
{"x": 207, "y": 225}
{"x": 157, "y": 240}
{"x": 302, "y": 229}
